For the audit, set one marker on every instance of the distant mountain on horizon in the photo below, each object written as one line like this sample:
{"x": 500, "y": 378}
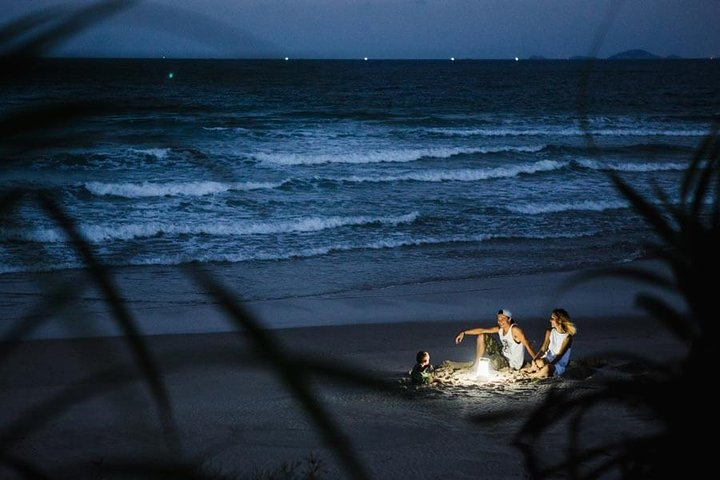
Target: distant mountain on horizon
{"x": 638, "y": 54}
{"x": 634, "y": 54}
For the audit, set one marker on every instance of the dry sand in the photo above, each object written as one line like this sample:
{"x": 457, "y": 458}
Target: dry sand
{"x": 234, "y": 416}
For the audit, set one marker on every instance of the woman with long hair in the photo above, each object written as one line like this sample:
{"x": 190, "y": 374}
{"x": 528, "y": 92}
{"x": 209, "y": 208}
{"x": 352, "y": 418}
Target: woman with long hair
{"x": 553, "y": 357}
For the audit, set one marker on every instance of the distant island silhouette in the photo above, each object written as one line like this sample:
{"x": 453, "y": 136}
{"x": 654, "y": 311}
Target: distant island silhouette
{"x": 636, "y": 54}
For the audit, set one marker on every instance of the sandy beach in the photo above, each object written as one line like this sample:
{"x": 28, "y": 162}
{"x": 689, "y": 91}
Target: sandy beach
{"x": 236, "y": 417}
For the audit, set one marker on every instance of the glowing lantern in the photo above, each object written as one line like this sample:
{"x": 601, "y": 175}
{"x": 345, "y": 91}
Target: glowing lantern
{"x": 483, "y": 368}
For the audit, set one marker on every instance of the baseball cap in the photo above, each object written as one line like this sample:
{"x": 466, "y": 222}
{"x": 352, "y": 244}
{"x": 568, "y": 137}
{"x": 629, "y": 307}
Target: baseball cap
{"x": 506, "y": 312}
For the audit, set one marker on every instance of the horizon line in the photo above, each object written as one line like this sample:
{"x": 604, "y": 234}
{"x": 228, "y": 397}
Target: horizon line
{"x": 381, "y": 59}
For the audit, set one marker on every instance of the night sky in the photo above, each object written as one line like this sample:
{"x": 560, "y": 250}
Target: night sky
{"x": 410, "y": 29}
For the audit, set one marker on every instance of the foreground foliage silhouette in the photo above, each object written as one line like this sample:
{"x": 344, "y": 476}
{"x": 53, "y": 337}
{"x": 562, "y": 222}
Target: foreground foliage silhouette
{"x": 32, "y": 129}
{"x": 672, "y": 394}
{"x": 688, "y": 236}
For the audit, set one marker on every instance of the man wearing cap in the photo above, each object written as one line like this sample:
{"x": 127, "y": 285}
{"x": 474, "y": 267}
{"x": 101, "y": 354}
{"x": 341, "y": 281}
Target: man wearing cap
{"x": 509, "y": 351}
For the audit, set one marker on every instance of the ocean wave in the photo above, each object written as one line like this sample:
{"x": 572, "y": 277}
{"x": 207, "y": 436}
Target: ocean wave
{"x": 460, "y": 175}
{"x": 385, "y": 156}
{"x": 228, "y": 129}
{"x": 567, "y": 132}
{"x": 212, "y": 256}
{"x": 631, "y": 167}
{"x": 383, "y": 244}
{"x": 191, "y": 189}
{"x": 158, "y": 153}
{"x": 107, "y": 233}
{"x": 591, "y": 206}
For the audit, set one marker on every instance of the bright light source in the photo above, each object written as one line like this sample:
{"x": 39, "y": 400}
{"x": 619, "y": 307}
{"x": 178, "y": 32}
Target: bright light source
{"x": 517, "y": 59}
{"x": 287, "y": 58}
{"x": 452, "y": 59}
{"x": 365, "y": 58}
{"x": 483, "y": 368}
{"x": 171, "y": 75}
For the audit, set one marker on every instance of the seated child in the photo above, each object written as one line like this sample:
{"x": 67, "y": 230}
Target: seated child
{"x": 421, "y": 373}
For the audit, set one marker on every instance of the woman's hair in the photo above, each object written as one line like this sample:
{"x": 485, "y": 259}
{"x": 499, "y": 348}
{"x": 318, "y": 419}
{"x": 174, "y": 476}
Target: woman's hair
{"x": 563, "y": 321}
{"x": 420, "y": 355}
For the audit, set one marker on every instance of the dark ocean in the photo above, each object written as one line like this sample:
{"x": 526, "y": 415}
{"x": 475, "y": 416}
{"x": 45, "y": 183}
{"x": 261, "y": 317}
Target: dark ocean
{"x": 320, "y": 176}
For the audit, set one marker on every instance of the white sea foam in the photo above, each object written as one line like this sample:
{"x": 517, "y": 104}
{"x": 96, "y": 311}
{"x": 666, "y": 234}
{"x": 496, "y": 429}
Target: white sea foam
{"x": 120, "y": 232}
{"x": 159, "y": 153}
{"x": 224, "y": 129}
{"x": 631, "y": 167}
{"x": 381, "y": 156}
{"x": 592, "y": 206}
{"x": 191, "y": 189}
{"x": 461, "y": 175}
{"x": 567, "y": 132}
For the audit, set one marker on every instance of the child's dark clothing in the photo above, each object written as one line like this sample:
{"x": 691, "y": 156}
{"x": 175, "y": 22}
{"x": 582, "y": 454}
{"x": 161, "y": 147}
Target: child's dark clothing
{"x": 421, "y": 374}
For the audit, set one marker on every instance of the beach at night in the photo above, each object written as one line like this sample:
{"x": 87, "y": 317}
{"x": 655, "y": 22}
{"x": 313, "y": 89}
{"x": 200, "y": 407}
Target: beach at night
{"x": 317, "y": 240}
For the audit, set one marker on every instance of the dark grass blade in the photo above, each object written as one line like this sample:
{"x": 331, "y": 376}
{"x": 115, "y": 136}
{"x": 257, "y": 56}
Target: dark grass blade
{"x": 678, "y": 324}
{"x": 704, "y": 180}
{"x": 120, "y": 312}
{"x": 558, "y": 405}
{"x": 581, "y": 99}
{"x": 651, "y": 214}
{"x": 631, "y": 273}
{"x": 715, "y": 211}
{"x": 13, "y": 30}
{"x": 183, "y": 359}
{"x": 56, "y": 301}
{"x": 690, "y": 179}
{"x": 268, "y": 348}
{"x": 38, "y": 416}
{"x": 33, "y": 128}
{"x": 22, "y": 467}
{"x": 9, "y": 200}
{"x": 71, "y": 25}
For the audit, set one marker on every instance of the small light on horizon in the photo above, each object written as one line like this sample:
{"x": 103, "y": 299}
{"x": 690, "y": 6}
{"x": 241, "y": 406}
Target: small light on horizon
{"x": 517, "y": 59}
{"x": 287, "y": 58}
{"x": 365, "y": 58}
{"x": 452, "y": 59}
{"x": 171, "y": 75}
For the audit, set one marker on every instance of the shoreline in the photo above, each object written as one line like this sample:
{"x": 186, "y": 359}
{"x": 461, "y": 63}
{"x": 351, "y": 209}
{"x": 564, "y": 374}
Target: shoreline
{"x": 236, "y": 416}
{"x": 179, "y": 306}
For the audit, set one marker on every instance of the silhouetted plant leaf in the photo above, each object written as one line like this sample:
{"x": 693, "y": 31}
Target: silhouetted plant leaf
{"x": 628, "y": 272}
{"x": 647, "y": 210}
{"x": 74, "y": 22}
{"x": 689, "y": 179}
{"x": 30, "y": 129}
{"x": 705, "y": 175}
{"x": 676, "y": 323}
{"x": 27, "y": 23}
{"x": 53, "y": 303}
{"x": 9, "y": 200}
{"x": 23, "y": 467}
{"x": 267, "y": 348}
{"x": 122, "y": 315}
